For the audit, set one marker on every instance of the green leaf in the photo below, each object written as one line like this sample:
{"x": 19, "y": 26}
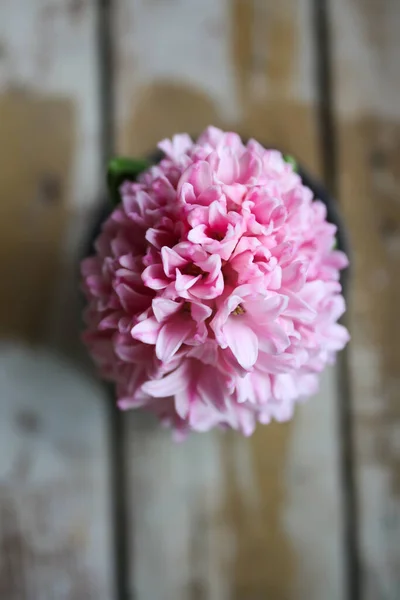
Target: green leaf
{"x": 335, "y": 244}
{"x": 291, "y": 161}
{"x": 122, "y": 169}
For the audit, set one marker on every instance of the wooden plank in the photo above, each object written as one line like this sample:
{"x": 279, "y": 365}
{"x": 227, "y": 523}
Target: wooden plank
{"x": 48, "y": 140}
{"x": 54, "y": 502}
{"x": 367, "y": 85}
{"x": 221, "y": 517}
{"x": 54, "y": 497}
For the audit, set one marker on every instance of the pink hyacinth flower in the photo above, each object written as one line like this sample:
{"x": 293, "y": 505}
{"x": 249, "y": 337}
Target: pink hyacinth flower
{"x": 213, "y": 297}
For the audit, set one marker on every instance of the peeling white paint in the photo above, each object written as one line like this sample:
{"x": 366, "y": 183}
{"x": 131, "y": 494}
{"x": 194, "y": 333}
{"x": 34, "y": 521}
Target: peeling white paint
{"x": 60, "y": 460}
{"x": 46, "y": 52}
{"x": 178, "y": 537}
{"x": 366, "y": 75}
{"x": 380, "y": 534}
{"x": 313, "y": 512}
{"x": 193, "y": 50}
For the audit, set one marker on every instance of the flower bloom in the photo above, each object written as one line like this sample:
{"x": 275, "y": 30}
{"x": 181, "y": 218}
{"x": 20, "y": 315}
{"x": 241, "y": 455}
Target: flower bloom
{"x": 213, "y": 296}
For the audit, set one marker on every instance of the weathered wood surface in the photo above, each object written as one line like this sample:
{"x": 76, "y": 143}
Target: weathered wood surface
{"x": 55, "y": 539}
{"x": 366, "y": 78}
{"x": 54, "y": 491}
{"x": 218, "y": 517}
{"x": 221, "y": 517}
{"x": 49, "y": 134}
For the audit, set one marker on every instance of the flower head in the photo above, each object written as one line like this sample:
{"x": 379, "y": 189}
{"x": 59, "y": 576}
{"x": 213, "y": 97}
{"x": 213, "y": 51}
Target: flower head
{"x": 214, "y": 294}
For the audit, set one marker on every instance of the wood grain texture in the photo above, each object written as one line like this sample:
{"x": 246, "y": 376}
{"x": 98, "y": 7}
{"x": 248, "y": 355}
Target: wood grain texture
{"x": 367, "y": 88}
{"x": 54, "y": 489}
{"x": 221, "y": 517}
{"x": 54, "y": 496}
{"x": 48, "y": 136}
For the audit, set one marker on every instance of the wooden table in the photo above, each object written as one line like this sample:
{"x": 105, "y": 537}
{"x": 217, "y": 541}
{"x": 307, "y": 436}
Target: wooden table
{"x": 96, "y": 505}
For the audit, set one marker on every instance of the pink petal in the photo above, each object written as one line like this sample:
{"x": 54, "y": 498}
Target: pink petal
{"x": 128, "y": 402}
{"x": 203, "y": 417}
{"x": 250, "y": 167}
{"x": 218, "y": 322}
{"x": 265, "y": 310}
{"x": 294, "y": 275}
{"x": 211, "y": 265}
{"x": 90, "y": 266}
{"x": 157, "y": 237}
{"x": 284, "y": 389}
{"x": 235, "y": 192}
{"x": 125, "y": 324}
{"x": 280, "y": 363}
{"x": 338, "y": 260}
{"x": 111, "y": 321}
{"x": 200, "y": 312}
{"x": 262, "y": 388}
{"x": 174, "y": 148}
{"x": 129, "y": 354}
{"x": 197, "y": 234}
{"x": 207, "y": 291}
{"x": 242, "y": 341}
{"x": 217, "y": 215}
{"x": 199, "y": 175}
{"x": 154, "y": 277}
{"x": 128, "y": 262}
{"x": 146, "y": 331}
{"x": 187, "y": 194}
{"x": 212, "y": 389}
{"x": 247, "y": 421}
{"x": 337, "y": 307}
{"x": 338, "y": 337}
{"x": 171, "y": 261}
{"x": 169, "y": 385}
{"x": 131, "y": 300}
{"x": 279, "y": 216}
{"x": 185, "y": 282}
{"x": 245, "y": 389}
{"x": 171, "y": 337}
{"x": 182, "y": 404}
{"x": 273, "y": 338}
{"x": 210, "y": 195}
{"x": 298, "y": 309}
{"x": 242, "y": 262}
{"x": 228, "y": 168}
{"x": 212, "y": 136}
{"x": 164, "y": 308}
{"x": 206, "y": 353}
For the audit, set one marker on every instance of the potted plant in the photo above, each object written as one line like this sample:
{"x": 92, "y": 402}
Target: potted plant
{"x": 213, "y": 289}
